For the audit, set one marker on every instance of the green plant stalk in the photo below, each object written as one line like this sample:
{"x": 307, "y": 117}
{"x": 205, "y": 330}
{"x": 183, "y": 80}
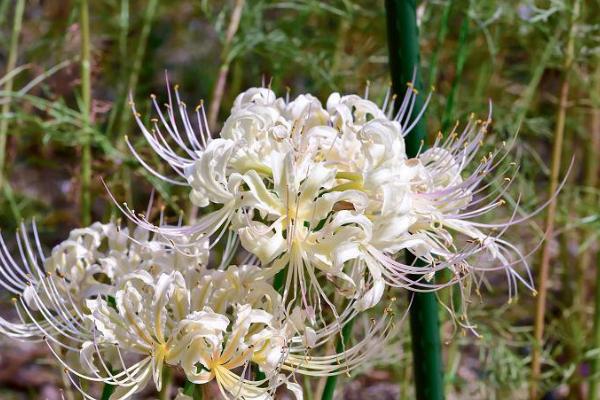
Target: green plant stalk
{"x": 522, "y": 105}
{"x": 8, "y": 86}
{"x": 307, "y": 388}
{"x": 123, "y": 68}
{"x": 136, "y": 67}
{"x": 461, "y": 58}
{"x": 454, "y": 300}
{"x": 540, "y": 308}
{"x": 122, "y": 114}
{"x": 219, "y": 89}
{"x": 10, "y": 197}
{"x": 343, "y": 341}
{"x": 279, "y": 281}
{"x": 86, "y": 97}
{"x": 441, "y": 38}
{"x": 123, "y": 30}
{"x": 445, "y": 275}
{"x": 167, "y": 378}
{"x": 107, "y": 391}
{"x": 3, "y": 7}
{"x": 403, "y": 44}
{"x": 193, "y": 390}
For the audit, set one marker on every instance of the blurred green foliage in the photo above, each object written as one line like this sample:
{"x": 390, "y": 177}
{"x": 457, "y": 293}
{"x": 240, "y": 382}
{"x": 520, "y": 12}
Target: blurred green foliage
{"x": 473, "y": 52}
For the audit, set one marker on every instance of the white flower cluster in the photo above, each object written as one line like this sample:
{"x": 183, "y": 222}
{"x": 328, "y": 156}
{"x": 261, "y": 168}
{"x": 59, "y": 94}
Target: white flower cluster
{"x": 328, "y": 194}
{"x": 118, "y": 308}
{"x": 310, "y": 207}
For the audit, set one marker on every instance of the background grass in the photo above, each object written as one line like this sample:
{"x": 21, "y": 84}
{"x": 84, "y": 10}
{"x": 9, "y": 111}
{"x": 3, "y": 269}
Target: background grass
{"x": 472, "y": 51}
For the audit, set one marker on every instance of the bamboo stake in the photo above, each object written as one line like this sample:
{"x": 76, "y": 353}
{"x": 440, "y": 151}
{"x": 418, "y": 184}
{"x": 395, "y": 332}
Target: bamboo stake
{"x": 8, "y": 86}
{"x": 403, "y": 44}
{"x": 86, "y": 98}
{"x": 591, "y": 181}
{"x": 540, "y": 308}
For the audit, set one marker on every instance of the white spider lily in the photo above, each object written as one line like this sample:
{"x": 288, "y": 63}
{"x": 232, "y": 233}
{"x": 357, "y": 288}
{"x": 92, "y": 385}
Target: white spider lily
{"x": 50, "y": 291}
{"x": 264, "y": 164}
{"x": 215, "y": 355}
{"x": 154, "y": 318}
{"x": 436, "y": 202}
{"x": 140, "y": 322}
{"x": 330, "y": 194}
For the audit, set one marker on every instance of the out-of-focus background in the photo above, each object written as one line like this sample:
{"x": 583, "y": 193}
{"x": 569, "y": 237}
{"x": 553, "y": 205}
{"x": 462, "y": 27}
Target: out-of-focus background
{"x": 536, "y": 61}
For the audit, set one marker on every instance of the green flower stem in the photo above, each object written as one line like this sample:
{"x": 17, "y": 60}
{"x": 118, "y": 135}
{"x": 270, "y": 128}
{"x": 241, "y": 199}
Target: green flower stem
{"x": 343, "y": 341}
{"x": 86, "y": 98}
{"x": 193, "y": 390}
{"x": 8, "y": 86}
{"x": 167, "y": 378}
{"x": 403, "y": 46}
{"x": 279, "y": 281}
{"x": 107, "y": 390}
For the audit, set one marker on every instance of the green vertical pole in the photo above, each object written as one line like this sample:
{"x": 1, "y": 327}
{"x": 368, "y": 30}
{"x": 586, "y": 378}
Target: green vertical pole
{"x": 403, "y": 43}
